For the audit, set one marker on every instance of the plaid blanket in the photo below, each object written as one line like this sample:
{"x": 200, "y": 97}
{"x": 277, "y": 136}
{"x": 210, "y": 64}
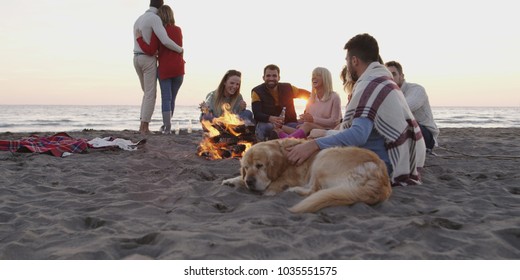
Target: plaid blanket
{"x": 55, "y": 145}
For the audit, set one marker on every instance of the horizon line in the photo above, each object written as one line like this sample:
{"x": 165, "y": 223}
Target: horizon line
{"x": 191, "y": 105}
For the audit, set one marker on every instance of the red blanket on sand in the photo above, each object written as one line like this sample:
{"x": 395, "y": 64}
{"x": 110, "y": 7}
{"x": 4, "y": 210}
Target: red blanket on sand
{"x": 55, "y": 145}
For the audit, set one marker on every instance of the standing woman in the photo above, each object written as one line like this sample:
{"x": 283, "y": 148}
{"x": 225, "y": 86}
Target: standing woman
{"x": 171, "y": 65}
{"x": 228, "y": 91}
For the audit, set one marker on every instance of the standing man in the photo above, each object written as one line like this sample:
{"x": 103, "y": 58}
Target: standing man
{"x": 418, "y": 102}
{"x": 268, "y": 100}
{"x": 146, "y": 65}
{"x": 377, "y": 117}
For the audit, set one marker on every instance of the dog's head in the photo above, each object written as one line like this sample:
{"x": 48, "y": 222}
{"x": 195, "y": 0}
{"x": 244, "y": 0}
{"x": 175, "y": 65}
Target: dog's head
{"x": 264, "y": 162}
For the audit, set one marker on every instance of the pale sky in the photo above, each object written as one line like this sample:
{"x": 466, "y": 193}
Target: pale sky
{"x": 465, "y": 53}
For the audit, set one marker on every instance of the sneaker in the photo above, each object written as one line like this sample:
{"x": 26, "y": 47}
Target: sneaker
{"x": 298, "y": 134}
{"x": 273, "y": 135}
{"x": 282, "y": 135}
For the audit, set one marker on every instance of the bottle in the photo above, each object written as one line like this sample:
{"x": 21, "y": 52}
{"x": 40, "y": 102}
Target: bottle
{"x": 282, "y": 114}
{"x": 177, "y": 128}
{"x": 189, "y": 126}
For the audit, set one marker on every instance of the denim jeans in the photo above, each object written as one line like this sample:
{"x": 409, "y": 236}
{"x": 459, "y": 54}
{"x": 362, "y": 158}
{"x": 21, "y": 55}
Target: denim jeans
{"x": 428, "y": 137}
{"x": 169, "y": 89}
{"x": 263, "y": 130}
{"x": 246, "y": 116}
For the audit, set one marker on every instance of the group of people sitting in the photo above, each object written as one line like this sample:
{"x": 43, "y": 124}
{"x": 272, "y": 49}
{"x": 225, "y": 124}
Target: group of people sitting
{"x": 384, "y": 113}
{"x": 269, "y": 99}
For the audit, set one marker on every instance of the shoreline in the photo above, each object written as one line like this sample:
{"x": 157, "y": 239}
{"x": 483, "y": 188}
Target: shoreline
{"x": 164, "y": 202}
{"x": 77, "y": 118}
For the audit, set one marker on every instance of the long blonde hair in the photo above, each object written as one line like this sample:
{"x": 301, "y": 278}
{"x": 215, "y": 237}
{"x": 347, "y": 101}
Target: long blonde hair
{"x": 348, "y": 83}
{"x": 324, "y": 73}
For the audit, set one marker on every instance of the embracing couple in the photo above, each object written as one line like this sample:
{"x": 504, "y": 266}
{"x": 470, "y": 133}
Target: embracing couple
{"x": 156, "y": 37}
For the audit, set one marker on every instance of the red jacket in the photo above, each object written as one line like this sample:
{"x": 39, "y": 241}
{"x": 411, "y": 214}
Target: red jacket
{"x": 171, "y": 63}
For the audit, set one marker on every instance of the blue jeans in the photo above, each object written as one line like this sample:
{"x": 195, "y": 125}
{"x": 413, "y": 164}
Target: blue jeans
{"x": 246, "y": 116}
{"x": 169, "y": 89}
{"x": 428, "y": 137}
{"x": 264, "y": 130}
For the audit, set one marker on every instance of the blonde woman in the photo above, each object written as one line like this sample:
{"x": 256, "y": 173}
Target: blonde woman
{"x": 323, "y": 108}
{"x": 348, "y": 84}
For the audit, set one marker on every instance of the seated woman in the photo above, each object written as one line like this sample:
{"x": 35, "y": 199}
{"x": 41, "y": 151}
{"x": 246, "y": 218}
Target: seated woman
{"x": 323, "y": 110}
{"x": 228, "y": 92}
{"x": 348, "y": 87}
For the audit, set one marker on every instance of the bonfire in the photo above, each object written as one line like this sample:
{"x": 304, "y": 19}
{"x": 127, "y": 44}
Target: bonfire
{"x": 226, "y": 136}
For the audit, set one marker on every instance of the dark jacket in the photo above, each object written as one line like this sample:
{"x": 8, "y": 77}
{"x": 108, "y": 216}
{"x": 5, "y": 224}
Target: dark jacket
{"x": 266, "y": 107}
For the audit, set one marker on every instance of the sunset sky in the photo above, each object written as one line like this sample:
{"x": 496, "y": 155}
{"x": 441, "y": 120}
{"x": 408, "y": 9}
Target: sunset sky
{"x": 465, "y": 53}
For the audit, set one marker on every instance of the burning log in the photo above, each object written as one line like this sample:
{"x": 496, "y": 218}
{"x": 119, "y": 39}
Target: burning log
{"x": 223, "y": 151}
{"x": 226, "y": 137}
{"x": 226, "y": 144}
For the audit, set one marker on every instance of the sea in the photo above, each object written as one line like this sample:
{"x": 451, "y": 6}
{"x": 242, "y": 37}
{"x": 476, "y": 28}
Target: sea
{"x": 58, "y": 118}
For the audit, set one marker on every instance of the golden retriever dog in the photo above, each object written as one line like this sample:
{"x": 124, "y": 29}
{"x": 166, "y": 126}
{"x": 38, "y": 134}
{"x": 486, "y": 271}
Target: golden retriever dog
{"x": 331, "y": 177}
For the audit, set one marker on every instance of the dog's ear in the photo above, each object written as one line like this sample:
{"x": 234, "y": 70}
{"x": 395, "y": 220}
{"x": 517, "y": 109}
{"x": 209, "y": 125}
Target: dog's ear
{"x": 242, "y": 168}
{"x": 243, "y": 173}
{"x": 275, "y": 163}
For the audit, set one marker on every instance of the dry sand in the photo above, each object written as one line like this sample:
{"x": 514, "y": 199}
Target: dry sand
{"x": 165, "y": 202}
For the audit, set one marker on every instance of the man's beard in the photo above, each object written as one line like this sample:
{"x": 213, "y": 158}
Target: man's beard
{"x": 271, "y": 85}
{"x": 353, "y": 76}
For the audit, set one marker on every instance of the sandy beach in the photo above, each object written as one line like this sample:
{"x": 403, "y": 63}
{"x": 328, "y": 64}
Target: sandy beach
{"x": 165, "y": 202}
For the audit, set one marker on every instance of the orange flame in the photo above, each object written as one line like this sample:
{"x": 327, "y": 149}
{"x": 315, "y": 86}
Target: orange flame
{"x": 212, "y": 132}
{"x": 208, "y": 149}
{"x": 229, "y": 122}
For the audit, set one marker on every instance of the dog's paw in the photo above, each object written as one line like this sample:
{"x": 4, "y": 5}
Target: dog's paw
{"x": 228, "y": 182}
{"x": 299, "y": 190}
{"x": 269, "y": 193}
{"x": 233, "y": 182}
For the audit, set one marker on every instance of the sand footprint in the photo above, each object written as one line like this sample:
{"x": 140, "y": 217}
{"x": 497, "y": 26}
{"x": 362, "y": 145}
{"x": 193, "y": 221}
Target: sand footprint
{"x": 445, "y": 223}
{"x": 132, "y": 243}
{"x": 513, "y": 190}
{"x": 93, "y": 223}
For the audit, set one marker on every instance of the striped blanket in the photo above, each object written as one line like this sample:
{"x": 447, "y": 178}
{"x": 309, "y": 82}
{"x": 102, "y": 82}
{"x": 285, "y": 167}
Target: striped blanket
{"x": 377, "y": 97}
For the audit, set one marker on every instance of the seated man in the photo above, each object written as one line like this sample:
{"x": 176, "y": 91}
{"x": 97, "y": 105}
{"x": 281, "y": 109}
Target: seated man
{"x": 417, "y": 100}
{"x": 377, "y": 118}
{"x": 268, "y": 100}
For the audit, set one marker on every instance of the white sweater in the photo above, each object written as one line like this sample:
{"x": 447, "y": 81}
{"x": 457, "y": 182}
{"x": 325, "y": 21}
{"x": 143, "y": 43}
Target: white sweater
{"x": 419, "y": 104}
{"x": 150, "y": 22}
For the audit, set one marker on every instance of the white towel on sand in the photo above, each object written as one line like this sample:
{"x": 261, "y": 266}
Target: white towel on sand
{"x": 124, "y": 144}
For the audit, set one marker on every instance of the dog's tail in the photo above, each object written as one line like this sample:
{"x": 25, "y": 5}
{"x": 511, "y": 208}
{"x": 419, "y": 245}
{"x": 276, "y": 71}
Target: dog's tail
{"x": 369, "y": 193}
